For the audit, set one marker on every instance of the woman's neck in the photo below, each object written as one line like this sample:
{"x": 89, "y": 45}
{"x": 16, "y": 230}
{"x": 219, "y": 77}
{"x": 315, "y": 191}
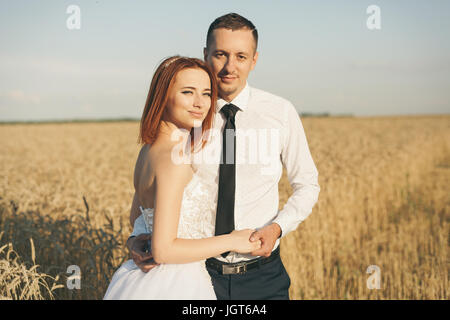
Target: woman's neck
{"x": 171, "y": 133}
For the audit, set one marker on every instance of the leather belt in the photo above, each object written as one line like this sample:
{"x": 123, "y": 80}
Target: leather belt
{"x": 242, "y": 267}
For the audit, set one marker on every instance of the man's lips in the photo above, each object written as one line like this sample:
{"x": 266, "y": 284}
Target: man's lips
{"x": 228, "y": 78}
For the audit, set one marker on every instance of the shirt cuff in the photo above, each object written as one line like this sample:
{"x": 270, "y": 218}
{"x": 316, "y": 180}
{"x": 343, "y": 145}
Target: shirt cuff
{"x": 284, "y": 225}
{"x": 139, "y": 226}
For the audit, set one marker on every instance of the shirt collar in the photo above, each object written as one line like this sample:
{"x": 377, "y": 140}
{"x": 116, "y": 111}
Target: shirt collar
{"x": 240, "y": 101}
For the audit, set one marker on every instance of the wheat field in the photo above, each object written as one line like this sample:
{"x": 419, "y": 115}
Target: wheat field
{"x": 66, "y": 191}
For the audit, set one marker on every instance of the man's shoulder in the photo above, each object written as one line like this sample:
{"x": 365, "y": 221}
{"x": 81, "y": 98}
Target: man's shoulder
{"x": 268, "y": 102}
{"x": 259, "y": 95}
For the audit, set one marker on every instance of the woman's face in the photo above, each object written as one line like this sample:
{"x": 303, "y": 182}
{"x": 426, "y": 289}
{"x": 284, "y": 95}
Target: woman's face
{"x": 189, "y": 99}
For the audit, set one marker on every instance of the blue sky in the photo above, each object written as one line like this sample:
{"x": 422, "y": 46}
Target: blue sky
{"x": 319, "y": 55}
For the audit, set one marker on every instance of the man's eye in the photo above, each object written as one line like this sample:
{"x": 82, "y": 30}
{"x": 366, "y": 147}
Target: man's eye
{"x": 219, "y": 55}
{"x": 242, "y": 57}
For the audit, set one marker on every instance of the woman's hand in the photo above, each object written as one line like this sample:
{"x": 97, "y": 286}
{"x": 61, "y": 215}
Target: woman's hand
{"x": 242, "y": 243}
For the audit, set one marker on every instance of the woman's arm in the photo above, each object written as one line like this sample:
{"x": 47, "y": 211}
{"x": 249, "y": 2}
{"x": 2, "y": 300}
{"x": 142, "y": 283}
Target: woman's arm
{"x": 171, "y": 180}
{"x": 134, "y": 212}
{"x": 141, "y": 181}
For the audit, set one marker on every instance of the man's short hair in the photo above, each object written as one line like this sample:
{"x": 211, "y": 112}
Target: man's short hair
{"x": 234, "y": 22}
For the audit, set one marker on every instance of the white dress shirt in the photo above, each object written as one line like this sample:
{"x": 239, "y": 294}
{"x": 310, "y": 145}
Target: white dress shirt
{"x": 269, "y": 134}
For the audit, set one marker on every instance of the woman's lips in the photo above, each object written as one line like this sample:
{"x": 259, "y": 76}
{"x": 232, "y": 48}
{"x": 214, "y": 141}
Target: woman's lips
{"x": 198, "y": 115}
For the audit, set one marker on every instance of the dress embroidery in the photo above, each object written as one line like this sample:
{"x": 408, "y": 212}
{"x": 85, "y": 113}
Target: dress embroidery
{"x": 197, "y": 213}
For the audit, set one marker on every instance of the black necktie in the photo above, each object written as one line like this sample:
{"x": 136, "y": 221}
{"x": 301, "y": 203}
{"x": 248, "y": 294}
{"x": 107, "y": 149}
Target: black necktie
{"x": 227, "y": 175}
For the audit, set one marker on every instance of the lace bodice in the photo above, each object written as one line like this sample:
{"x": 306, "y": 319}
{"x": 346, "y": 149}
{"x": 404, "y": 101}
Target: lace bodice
{"x": 198, "y": 210}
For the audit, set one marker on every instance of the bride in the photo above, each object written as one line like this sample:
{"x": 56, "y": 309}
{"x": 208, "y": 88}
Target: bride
{"x": 176, "y": 202}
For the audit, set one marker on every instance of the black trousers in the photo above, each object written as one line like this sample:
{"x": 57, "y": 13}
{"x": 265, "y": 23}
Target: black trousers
{"x": 269, "y": 282}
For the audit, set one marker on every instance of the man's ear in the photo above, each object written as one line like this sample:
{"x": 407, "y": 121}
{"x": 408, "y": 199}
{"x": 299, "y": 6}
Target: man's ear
{"x": 205, "y": 54}
{"x": 255, "y": 58}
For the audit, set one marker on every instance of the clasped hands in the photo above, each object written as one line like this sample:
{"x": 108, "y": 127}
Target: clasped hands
{"x": 140, "y": 246}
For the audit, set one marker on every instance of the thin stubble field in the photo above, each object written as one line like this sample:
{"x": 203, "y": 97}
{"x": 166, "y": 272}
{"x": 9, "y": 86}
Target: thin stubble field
{"x": 66, "y": 190}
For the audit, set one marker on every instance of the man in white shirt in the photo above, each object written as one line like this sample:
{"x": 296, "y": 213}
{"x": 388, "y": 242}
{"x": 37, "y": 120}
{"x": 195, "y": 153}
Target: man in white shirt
{"x": 269, "y": 134}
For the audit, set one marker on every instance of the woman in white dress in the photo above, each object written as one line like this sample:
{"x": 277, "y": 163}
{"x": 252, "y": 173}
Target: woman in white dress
{"x": 176, "y": 203}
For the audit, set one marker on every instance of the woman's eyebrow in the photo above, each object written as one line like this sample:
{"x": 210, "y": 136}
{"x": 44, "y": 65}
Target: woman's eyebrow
{"x": 193, "y": 88}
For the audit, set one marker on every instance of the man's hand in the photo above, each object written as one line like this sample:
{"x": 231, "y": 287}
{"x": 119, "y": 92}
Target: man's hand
{"x": 140, "y": 251}
{"x": 268, "y": 236}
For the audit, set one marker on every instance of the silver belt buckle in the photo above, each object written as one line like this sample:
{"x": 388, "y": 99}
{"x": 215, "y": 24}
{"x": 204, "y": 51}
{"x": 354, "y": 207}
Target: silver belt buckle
{"x": 237, "y": 269}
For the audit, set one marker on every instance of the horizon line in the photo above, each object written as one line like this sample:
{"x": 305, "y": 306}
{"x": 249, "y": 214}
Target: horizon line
{"x": 131, "y": 119}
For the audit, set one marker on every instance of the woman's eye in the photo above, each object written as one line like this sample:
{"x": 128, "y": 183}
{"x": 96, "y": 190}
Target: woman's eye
{"x": 186, "y": 92}
{"x": 207, "y": 94}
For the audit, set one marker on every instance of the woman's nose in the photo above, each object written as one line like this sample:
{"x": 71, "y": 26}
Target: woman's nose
{"x": 199, "y": 101}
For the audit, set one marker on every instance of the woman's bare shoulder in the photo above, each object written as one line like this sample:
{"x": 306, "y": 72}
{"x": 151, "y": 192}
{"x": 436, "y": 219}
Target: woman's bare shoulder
{"x": 168, "y": 167}
{"x": 158, "y": 161}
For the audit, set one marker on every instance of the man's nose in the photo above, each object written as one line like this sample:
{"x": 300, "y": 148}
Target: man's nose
{"x": 230, "y": 65}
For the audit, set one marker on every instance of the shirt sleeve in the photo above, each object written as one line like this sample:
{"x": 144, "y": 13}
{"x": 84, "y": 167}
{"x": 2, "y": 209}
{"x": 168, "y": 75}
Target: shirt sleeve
{"x": 301, "y": 172}
{"x": 139, "y": 226}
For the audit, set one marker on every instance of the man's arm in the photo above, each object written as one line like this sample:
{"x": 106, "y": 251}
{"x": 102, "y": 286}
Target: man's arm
{"x": 139, "y": 242}
{"x": 303, "y": 177}
{"x": 301, "y": 171}
{"x": 139, "y": 227}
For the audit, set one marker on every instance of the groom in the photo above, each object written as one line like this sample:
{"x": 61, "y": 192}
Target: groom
{"x": 248, "y": 183}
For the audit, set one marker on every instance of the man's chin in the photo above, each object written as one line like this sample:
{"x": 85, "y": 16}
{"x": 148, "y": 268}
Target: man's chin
{"x": 226, "y": 90}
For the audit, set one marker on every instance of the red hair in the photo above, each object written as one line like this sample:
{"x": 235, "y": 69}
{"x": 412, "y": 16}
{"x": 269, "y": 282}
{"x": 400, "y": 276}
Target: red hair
{"x": 158, "y": 96}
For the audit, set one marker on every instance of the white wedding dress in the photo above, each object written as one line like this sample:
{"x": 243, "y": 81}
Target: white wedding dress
{"x": 188, "y": 281}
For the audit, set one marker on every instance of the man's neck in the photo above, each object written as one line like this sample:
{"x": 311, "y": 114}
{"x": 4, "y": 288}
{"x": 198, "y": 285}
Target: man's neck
{"x": 230, "y": 97}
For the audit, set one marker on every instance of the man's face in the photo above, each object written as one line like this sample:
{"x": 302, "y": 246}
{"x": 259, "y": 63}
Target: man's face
{"x": 232, "y": 56}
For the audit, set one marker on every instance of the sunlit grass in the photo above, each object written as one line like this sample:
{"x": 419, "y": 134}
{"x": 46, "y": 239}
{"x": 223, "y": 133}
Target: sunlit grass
{"x": 383, "y": 201}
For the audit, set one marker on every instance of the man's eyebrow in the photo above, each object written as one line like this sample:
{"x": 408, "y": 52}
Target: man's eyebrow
{"x": 240, "y": 52}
